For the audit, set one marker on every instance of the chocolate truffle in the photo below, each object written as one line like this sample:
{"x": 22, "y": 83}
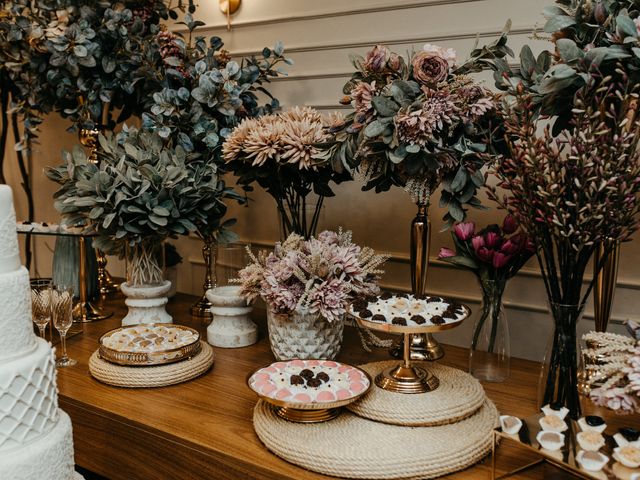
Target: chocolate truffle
{"x": 297, "y": 380}
{"x": 323, "y": 376}
{"x": 399, "y": 321}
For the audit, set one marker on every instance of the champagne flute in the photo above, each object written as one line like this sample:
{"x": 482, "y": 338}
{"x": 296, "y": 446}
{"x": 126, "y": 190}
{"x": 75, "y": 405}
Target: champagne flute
{"x": 41, "y": 303}
{"x": 62, "y": 309}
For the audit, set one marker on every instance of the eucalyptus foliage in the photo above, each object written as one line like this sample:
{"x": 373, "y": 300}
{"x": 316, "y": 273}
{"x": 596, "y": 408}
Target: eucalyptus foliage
{"x": 590, "y": 38}
{"x": 144, "y": 187}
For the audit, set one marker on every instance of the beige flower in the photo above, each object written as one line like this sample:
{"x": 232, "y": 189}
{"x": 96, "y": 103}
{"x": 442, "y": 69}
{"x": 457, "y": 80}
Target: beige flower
{"x": 362, "y": 94}
{"x": 298, "y": 141}
{"x": 429, "y": 68}
{"x": 234, "y": 144}
{"x": 264, "y": 142}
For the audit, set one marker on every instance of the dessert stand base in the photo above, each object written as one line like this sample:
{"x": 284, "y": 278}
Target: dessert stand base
{"x": 146, "y": 304}
{"x": 424, "y": 348}
{"x": 458, "y": 397}
{"x": 354, "y": 447}
{"x": 406, "y": 379}
{"x": 307, "y": 416}
{"x": 158, "y": 376}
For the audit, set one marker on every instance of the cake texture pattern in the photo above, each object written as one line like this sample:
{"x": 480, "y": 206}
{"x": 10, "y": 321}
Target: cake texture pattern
{"x": 28, "y": 398}
{"x": 9, "y": 251}
{"x": 16, "y": 328}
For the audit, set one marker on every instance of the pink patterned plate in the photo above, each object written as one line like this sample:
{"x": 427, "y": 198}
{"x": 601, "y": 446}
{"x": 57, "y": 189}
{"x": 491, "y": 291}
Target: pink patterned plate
{"x": 309, "y": 384}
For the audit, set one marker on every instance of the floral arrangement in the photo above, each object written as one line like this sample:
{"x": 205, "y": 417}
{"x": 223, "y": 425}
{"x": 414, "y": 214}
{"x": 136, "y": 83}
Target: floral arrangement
{"x": 143, "y": 189}
{"x": 322, "y": 275}
{"x": 419, "y": 123}
{"x": 570, "y": 193}
{"x": 614, "y": 379}
{"x": 197, "y": 93}
{"x": 282, "y": 153}
{"x": 494, "y": 254}
{"x": 600, "y": 37}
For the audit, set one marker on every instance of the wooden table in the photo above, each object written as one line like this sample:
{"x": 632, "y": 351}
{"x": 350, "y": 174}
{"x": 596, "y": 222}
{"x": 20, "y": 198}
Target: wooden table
{"x": 203, "y": 428}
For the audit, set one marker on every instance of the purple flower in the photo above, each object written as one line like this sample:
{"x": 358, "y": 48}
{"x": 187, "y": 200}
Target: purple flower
{"x": 500, "y": 260}
{"x": 464, "y": 231}
{"x": 446, "y": 253}
{"x": 329, "y": 299}
{"x": 509, "y": 225}
{"x": 429, "y": 68}
{"x": 328, "y": 237}
{"x": 376, "y": 59}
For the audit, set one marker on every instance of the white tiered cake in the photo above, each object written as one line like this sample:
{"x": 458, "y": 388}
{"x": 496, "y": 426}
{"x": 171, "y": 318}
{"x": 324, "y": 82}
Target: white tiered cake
{"x": 35, "y": 435}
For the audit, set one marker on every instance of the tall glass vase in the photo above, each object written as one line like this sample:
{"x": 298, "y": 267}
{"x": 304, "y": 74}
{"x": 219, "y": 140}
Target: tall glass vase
{"x": 558, "y": 381}
{"x": 490, "y": 350}
{"x": 299, "y": 215}
{"x": 605, "y": 272}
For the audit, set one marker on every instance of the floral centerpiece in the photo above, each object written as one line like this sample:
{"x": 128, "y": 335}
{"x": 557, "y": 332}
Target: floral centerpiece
{"x": 612, "y": 364}
{"x": 569, "y": 193}
{"x": 420, "y": 123}
{"x": 494, "y": 254}
{"x": 307, "y": 286}
{"x": 281, "y": 152}
{"x": 143, "y": 190}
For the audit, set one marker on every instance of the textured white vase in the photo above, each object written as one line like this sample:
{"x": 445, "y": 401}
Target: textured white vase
{"x": 146, "y": 303}
{"x": 231, "y": 326}
{"x": 304, "y": 335}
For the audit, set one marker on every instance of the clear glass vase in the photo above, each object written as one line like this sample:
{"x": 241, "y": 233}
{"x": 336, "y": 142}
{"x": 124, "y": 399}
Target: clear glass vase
{"x": 145, "y": 263}
{"x": 559, "y": 373}
{"x": 302, "y": 216}
{"x": 490, "y": 350}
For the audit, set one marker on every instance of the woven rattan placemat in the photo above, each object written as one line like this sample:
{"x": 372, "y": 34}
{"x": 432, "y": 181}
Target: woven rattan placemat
{"x": 458, "y": 396}
{"x": 353, "y": 447}
{"x": 159, "y": 376}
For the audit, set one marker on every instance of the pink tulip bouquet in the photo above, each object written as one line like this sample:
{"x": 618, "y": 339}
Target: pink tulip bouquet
{"x": 494, "y": 254}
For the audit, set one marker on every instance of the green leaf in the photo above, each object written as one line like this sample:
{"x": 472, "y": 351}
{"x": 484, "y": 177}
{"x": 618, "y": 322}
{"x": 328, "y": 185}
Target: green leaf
{"x": 568, "y": 50}
{"x": 626, "y": 26}
{"x": 460, "y": 180}
{"x": 385, "y": 106}
{"x": 374, "y": 129}
{"x": 161, "y": 211}
{"x": 558, "y": 22}
{"x": 461, "y": 261}
{"x": 456, "y": 211}
{"x": 413, "y": 148}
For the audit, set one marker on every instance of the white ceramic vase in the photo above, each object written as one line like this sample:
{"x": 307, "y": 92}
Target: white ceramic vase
{"x": 304, "y": 335}
{"x": 146, "y": 303}
{"x": 231, "y": 326}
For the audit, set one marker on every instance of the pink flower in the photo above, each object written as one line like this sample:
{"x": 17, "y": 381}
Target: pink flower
{"x": 464, "y": 231}
{"x": 328, "y": 237}
{"x": 511, "y": 247}
{"x": 492, "y": 239}
{"x": 477, "y": 242}
{"x": 500, "y": 260}
{"x": 376, "y": 59}
{"x": 362, "y": 94}
{"x": 485, "y": 254}
{"x": 446, "y": 253}
{"x": 509, "y": 225}
{"x": 429, "y": 68}
{"x": 637, "y": 22}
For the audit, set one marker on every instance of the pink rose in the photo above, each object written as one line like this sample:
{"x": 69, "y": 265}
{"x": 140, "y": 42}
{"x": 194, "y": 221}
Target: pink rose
{"x": 446, "y": 253}
{"x": 376, "y": 59}
{"x": 449, "y": 54}
{"x": 429, "y": 68}
{"x": 464, "y": 231}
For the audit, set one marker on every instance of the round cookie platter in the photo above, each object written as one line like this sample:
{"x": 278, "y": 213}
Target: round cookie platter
{"x": 309, "y": 391}
{"x": 149, "y": 344}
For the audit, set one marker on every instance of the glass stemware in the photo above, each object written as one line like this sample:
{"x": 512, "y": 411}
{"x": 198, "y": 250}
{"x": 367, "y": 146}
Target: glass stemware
{"x": 62, "y": 309}
{"x": 41, "y": 303}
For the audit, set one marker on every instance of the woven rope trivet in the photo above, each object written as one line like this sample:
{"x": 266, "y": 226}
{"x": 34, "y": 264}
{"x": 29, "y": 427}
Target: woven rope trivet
{"x": 354, "y": 447}
{"x": 160, "y": 376}
{"x": 458, "y": 396}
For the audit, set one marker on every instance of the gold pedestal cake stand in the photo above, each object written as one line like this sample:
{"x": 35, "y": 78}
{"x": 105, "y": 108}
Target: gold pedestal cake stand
{"x": 407, "y": 377}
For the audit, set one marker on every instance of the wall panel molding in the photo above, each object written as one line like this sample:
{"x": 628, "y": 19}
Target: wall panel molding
{"x": 441, "y": 38}
{"x": 318, "y": 15}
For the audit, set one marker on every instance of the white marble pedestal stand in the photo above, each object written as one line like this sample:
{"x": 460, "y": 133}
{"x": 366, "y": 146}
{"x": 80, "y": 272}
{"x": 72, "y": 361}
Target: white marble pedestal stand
{"x": 231, "y": 326}
{"x": 146, "y": 304}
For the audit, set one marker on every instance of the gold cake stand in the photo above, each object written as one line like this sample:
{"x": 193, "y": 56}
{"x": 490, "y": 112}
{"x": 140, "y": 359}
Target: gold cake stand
{"x": 407, "y": 377}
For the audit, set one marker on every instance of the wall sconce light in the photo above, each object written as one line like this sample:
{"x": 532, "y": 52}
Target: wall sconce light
{"x": 229, "y": 7}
